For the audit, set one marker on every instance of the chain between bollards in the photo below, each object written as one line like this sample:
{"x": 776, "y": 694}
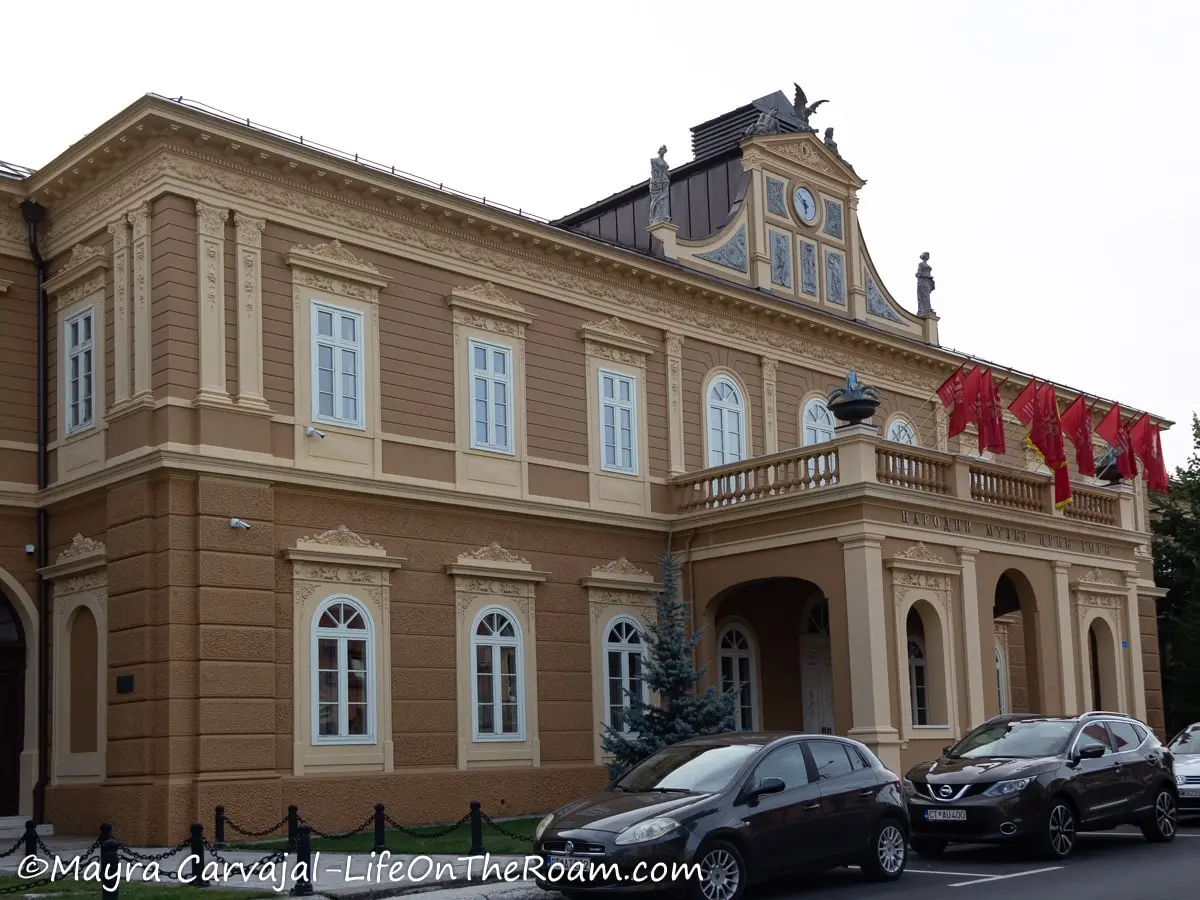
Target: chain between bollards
{"x": 303, "y": 886}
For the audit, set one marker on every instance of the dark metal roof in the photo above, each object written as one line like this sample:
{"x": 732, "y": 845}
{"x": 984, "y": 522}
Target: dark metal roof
{"x": 13, "y": 171}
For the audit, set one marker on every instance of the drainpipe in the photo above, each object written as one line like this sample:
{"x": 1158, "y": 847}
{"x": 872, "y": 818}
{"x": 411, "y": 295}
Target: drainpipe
{"x": 34, "y": 213}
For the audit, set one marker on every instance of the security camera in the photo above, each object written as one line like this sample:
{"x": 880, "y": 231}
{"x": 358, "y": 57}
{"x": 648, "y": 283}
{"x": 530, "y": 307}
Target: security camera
{"x": 238, "y": 523}
{"x": 30, "y": 549}
{"x": 312, "y": 432}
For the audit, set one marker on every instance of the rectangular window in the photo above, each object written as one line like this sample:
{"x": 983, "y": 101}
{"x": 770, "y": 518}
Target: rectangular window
{"x": 618, "y": 423}
{"x": 491, "y": 396}
{"x": 80, "y": 354}
{"x": 337, "y": 358}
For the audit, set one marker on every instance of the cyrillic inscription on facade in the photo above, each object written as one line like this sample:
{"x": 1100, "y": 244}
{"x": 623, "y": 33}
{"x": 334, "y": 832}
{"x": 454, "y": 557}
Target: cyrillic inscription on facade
{"x": 1006, "y": 533}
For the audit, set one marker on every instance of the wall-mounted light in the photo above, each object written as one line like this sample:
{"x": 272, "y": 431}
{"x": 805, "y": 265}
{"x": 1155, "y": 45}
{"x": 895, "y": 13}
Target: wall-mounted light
{"x": 313, "y": 432}
{"x": 238, "y": 523}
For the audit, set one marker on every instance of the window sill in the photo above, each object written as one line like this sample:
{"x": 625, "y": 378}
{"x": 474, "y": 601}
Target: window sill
{"x": 501, "y": 452}
{"x": 498, "y": 739}
{"x": 622, "y": 472}
{"x": 340, "y": 425}
{"x": 344, "y": 742}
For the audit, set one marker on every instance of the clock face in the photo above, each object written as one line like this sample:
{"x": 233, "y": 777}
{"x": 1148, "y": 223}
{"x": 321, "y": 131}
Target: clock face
{"x": 806, "y": 206}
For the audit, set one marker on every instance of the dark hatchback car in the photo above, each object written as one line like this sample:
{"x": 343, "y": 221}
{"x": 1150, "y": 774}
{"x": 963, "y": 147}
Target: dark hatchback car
{"x": 739, "y": 808}
{"x": 1038, "y": 780}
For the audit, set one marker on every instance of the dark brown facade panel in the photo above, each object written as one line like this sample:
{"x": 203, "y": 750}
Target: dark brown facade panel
{"x": 174, "y": 329}
{"x": 231, "y": 311}
{"x": 561, "y": 484}
{"x": 18, "y": 351}
{"x": 416, "y": 461}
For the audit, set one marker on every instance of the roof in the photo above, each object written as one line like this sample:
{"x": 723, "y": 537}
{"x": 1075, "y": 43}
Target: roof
{"x": 13, "y": 171}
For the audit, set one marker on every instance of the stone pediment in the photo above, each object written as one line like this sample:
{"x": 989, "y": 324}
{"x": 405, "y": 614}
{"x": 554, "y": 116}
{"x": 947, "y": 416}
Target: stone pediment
{"x": 804, "y": 151}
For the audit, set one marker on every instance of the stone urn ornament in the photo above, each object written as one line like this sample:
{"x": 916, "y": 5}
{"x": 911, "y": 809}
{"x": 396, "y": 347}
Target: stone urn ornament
{"x": 854, "y": 403}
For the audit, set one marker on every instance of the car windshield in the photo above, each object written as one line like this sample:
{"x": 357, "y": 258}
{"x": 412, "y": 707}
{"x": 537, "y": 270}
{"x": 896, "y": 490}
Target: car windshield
{"x": 1015, "y": 740}
{"x": 1187, "y": 742}
{"x": 691, "y": 768}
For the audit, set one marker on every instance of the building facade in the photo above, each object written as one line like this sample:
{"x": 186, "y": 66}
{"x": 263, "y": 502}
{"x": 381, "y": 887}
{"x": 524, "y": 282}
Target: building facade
{"x": 351, "y": 489}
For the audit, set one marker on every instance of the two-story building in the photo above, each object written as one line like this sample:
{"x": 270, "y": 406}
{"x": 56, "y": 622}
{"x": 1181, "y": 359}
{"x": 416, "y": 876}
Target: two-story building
{"x": 327, "y": 486}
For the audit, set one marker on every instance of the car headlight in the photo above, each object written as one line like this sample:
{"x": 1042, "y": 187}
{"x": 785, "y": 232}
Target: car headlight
{"x": 910, "y": 789}
{"x": 1007, "y": 788}
{"x": 650, "y": 830}
{"x": 542, "y": 826}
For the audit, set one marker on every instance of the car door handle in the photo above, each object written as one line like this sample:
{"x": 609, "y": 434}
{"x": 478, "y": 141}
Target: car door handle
{"x": 812, "y": 807}
{"x": 867, "y": 792}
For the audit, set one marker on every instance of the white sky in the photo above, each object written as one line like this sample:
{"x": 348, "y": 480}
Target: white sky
{"x": 1042, "y": 152}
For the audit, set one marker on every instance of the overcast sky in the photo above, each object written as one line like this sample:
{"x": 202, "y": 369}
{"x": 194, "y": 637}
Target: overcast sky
{"x": 1044, "y": 153}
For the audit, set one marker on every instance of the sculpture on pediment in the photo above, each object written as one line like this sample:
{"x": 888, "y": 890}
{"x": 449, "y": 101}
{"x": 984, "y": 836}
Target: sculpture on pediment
{"x": 660, "y": 188}
{"x": 803, "y": 108}
{"x": 924, "y": 286}
{"x": 830, "y": 142}
{"x": 766, "y": 123}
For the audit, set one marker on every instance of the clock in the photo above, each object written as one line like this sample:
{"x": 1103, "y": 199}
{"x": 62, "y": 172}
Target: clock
{"x": 806, "y": 206}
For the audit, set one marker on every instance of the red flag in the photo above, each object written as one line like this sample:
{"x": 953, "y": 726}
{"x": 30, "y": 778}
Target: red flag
{"x": 1024, "y": 407}
{"x": 1047, "y": 438}
{"x": 1113, "y": 430}
{"x": 1077, "y": 426}
{"x": 953, "y": 396}
{"x": 1147, "y": 444}
{"x": 991, "y": 417}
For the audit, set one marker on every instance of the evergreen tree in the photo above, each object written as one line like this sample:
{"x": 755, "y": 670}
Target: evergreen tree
{"x": 670, "y": 673}
{"x": 1176, "y": 527}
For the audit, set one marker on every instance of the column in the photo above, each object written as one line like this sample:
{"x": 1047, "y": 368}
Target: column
{"x": 122, "y": 351}
{"x": 1133, "y": 626}
{"x": 972, "y": 650}
{"x": 770, "y": 416}
{"x": 210, "y": 239}
{"x": 870, "y": 686}
{"x": 249, "y": 312}
{"x": 1066, "y": 653}
{"x": 856, "y": 286}
{"x": 675, "y": 411}
{"x": 139, "y": 221}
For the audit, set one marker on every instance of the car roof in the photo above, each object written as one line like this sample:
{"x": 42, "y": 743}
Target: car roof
{"x": 753, "y": 738}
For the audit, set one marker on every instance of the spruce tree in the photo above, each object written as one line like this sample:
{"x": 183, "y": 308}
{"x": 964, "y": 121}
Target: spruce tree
{"x": 671, "y": 676}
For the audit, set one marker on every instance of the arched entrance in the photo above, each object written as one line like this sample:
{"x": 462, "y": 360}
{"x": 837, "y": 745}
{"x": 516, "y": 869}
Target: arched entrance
{"x": 816, "y": 666}
{"x": 12, "y": 706}
{"x": 1102, "y": 689}
{"x": 1015, "y": 624}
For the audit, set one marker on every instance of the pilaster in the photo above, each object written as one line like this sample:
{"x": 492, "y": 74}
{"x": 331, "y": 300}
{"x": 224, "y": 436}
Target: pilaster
{"x": 675, "y": 410}
{"x": 139, "y": 222}
{"x": 870, "y": 691}
{"x": 770, "y": 417}
{"x": 855, "y": 282}
{"x": 122, "y": 347}
{"x": 1133, "y": 628}
{"x": 210, "y": 263}
{"x": 249, "y": 313}
{"x": 1066, "y": 644}
{"x": 972, "y": 649}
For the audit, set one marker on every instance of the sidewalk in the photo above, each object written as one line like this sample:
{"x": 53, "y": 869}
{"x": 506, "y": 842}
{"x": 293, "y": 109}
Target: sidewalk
{"x": 333, "y": 875}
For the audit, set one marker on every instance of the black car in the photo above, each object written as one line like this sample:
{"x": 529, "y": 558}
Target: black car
{"x": 1038, "y": 780}
{"x": 733, "y": 809}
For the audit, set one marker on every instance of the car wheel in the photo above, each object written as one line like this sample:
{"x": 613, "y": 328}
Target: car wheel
{"x": 887, "y": 852}
{"x": 1057, "y": 840}
{"x": 923, "y": 846}
{"x": 1161, "y": 826}
{"x": 722, "y": 873}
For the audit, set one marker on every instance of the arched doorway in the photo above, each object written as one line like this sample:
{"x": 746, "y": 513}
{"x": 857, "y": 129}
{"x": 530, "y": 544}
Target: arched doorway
{"x": 1015, "y": 625}
{"x": 1102, "y": 691}
{"x": 816, "y": 666}
{"x": 12, "y": 707}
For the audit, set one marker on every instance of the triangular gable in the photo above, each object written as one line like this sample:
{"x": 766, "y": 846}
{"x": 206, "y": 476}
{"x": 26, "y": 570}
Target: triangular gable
{"x": 807, "y": 150}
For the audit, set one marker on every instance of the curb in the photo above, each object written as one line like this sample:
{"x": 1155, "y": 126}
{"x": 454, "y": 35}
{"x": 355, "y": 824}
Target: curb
{"x": 423, "y": 888}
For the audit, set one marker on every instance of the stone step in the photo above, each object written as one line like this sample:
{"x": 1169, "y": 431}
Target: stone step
{"x": 12, "y": 827}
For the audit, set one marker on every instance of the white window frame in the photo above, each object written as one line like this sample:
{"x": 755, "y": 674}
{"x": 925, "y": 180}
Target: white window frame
{"x": 71, "y": 353}
{"x": 517, "y": 642}
{"x": 341, "y": 635}
{"x": 617, "y": 406}
{"x": 915, "y": 665}
{"x": 814, "y": 403}
{"x": 508, "y": 380}
{"x": 626, "y": 649}
{"x": 339, "y": 346}
{"x": 720, "y": 409}
{"x": 736, "y": 654}
{"x": 894, "y": 432}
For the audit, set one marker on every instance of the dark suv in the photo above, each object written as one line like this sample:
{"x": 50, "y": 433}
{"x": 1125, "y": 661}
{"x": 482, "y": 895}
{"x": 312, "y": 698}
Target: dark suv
{"x": 1039, "y": 780}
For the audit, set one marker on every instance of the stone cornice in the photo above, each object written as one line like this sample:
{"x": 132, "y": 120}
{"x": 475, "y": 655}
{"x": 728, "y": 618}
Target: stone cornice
{"x": 83, "y": 554}
{"x": 85, "y": 264}
{"x": 613, "y": 332}
{"x": 331, "y": 258}
{"x": 5, "y": 284}
{"x": 488, "y": 300}
{"x": 344, "y": 560}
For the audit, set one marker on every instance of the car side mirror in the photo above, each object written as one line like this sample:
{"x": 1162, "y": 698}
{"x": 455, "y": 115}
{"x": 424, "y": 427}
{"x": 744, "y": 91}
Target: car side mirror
{"x": 945, "y": 751}
{"x": 1091, "y": 751}
{"x": 768, "y": 785}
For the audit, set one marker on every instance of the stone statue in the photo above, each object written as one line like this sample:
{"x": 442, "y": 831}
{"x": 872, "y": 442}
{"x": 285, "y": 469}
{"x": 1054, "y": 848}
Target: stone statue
{"x": 836, "y": 287}
{"x": 830, "y": 142}
{"x": 808, "y": 268}
{"x": 660, "y": 188}
{"x": 803, "y": 109}
{"x": 924, "y": 286}
{"x": 766, "y": 123}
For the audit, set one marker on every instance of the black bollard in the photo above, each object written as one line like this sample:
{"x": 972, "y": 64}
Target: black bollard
{"x": 380, "y": 841}
{"x": 198, "y": 855}
{"x": 110, "y": 867}
{"x": 476, "y": 830}
{"x": 31, "y": 838}
{"x": 303, "y": 886}
{"x": 293, "y": 822}
{"x": 219, "y": 833}
{"x": 105, "y": 832}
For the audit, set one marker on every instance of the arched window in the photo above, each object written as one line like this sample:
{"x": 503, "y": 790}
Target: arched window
{"x": 902, "y": 432}
{"x": 726, "y": 422}
{"x": 343, "y": 680}
{"x": 1001, "y": 680}
{"x": 496, "y": 677}
{"x": 817, "y": 422}
{"x": 624, "y": 667}
{"x": 917, "y": 683}
{"x": 736, "y": 660}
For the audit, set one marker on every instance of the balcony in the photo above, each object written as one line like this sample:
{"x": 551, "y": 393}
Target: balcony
{"x": 859, "y": 456}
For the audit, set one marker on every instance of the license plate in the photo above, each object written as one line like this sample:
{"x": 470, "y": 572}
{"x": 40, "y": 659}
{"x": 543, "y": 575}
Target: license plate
{"x": 1190, "y": 793}
{"x": 945, "y": 815}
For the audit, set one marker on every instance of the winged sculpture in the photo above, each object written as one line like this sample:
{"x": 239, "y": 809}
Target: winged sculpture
{"x": 803, "y": 108}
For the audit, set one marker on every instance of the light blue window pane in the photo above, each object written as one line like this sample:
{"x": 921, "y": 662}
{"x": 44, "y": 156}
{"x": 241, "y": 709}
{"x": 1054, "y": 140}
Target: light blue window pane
{"x": 325, "y": 356}
{"x": 609, "y": 389}
{"x": 325, "y": 403}
{"x": 349, "y": 330}
{"x": 350, "y": 409}
{"x": 502, "y": 435}
{"x": 481, "y": 359}
{"x": 610, "y": 416}
{"x": 324, "y": 323}
{"x": 500, "y": 362}
{"x": 626, "y": 458}
{"x": 350, "y": 362}
{"x": 626, "y": 391}
{"x": 626, "y": 418}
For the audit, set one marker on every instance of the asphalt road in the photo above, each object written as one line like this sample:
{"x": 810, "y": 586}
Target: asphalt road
{"x": 1118, "y": 864}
